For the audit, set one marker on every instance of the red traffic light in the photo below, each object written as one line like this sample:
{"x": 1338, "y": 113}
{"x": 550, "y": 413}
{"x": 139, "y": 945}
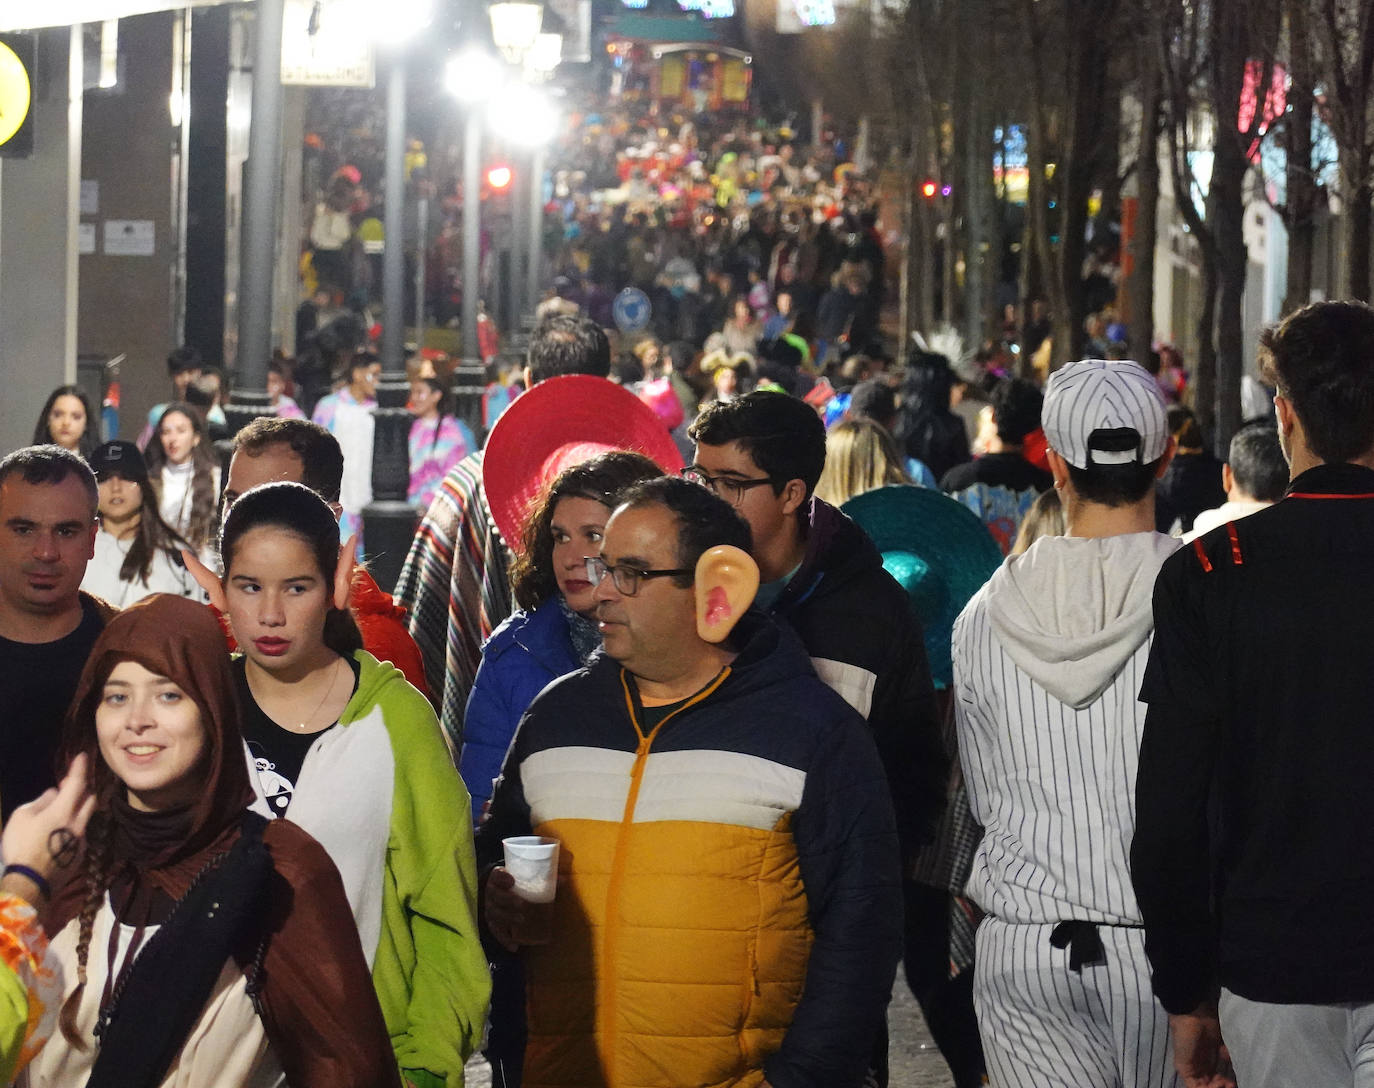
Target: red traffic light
{"x": 499, "y": 177}
{"x": 929, "y": 189}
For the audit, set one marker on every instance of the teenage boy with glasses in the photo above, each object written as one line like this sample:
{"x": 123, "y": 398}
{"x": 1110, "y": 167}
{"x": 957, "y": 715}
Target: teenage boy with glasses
{"x": 823, "y": 576}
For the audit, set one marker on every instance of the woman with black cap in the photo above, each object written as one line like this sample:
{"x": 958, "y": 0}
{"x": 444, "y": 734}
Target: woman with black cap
{"x": 137, "y": 554}
{"x": 204, "y": 946}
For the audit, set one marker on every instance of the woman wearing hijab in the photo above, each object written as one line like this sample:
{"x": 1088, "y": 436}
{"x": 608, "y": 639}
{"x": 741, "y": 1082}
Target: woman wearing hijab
{"x": 204, "y": 946}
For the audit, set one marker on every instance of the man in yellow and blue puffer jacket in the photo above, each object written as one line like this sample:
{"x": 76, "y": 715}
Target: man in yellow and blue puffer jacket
{"x": 729, "y": 900}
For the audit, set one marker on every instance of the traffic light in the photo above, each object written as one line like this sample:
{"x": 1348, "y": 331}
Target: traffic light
{"x": 499, "y": 178}
{"x": 929, "y": 189}
{"x": 16, "y": 95}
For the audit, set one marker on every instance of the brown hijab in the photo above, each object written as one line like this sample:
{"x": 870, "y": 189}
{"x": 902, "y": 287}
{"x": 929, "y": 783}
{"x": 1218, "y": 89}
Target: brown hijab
{"x": 179, "y": 639}
{"x": 318, "y": 1002}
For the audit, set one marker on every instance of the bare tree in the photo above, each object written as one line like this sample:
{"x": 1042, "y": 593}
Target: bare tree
{"x": 1343, "y": 41}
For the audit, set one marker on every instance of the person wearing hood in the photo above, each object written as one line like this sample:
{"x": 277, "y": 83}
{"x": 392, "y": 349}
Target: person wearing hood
{"x": 200, "y": 944}
{"x": 728, "y": 908}
{"x": 763, "y": 453}
{"x": 1048, "y": 658}
{"x": 344, "y": 747}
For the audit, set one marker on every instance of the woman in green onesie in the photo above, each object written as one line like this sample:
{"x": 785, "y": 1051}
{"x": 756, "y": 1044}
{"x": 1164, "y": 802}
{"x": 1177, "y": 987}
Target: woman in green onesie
{"x": 347, "y": 749}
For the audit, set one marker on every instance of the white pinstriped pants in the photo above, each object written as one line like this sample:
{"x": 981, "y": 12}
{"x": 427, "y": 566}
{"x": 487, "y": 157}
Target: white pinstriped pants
{"x": 1045, "y": 1026}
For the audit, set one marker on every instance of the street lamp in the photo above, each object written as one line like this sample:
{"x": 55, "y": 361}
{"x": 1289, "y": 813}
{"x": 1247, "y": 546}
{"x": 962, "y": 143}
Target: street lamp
{"x": 389, "y": 519}
{"x": 530, "y": 118}
{"x": 515, "y": 26}
{"x": 472, "y": 76}
{"x": 544, "y": 57}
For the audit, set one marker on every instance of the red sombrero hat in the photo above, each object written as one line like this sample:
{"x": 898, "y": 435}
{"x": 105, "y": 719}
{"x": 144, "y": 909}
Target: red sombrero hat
{"x": 559, "y": 423}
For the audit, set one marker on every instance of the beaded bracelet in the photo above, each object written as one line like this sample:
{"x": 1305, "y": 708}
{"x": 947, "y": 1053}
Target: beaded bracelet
{"x": 39, "y": 881}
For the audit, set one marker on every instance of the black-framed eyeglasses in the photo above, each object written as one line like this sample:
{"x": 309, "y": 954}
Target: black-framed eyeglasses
{"x": 625, "y": 577}
{"x": 729, "y": 488}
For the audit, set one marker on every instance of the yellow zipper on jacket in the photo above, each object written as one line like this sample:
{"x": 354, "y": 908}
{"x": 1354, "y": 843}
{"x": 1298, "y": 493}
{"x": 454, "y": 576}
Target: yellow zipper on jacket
{"x": 606, "y": 1012}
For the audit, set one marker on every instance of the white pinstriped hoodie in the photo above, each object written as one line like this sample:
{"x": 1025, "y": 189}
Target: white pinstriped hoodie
{"x": 1048, "y": 658}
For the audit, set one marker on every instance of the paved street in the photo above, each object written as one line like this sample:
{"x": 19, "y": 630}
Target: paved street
{"x": 915, "y": 1061}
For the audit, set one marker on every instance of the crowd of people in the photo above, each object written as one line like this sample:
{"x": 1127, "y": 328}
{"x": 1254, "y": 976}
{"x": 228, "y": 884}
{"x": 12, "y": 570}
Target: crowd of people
{"x": 1011, "y": 685}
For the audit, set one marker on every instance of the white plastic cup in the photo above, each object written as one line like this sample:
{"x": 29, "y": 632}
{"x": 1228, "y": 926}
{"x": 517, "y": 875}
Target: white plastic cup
{"x": 533, "y": 861}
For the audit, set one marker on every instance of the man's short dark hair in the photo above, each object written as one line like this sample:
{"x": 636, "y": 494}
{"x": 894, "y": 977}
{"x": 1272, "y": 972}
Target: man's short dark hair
{"x": 1016, "y": 405}
{"x": 183, "y": 359}
{"x": 703, "y": 520}
{"x": 1321, "y": 359}
{"x": 50, "y": 464}
{"x": 1114, "y": 485}
{"x": 1257, "y": 463}
{"x": 568, "y": 344}
{"x": 318, "y": 450}
{"x": 784, "y": 436}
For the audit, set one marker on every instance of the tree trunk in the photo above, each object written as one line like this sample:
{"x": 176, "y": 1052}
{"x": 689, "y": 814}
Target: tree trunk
{"x": 1358, "y": 237}
{"x": 1205, "y": 386}
{"x": 1300, "y": 198}
{"x": 1037, "y": 190}
{"x": 1140, "y": 286}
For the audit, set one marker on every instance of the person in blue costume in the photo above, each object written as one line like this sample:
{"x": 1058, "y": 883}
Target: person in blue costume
{"x": 554, "y": 632}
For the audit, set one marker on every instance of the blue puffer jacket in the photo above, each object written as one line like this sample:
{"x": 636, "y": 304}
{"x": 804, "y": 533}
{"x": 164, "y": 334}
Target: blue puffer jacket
{"x": 524, "y": 655}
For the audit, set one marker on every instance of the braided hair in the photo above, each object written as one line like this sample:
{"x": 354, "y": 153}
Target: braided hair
{"x": 99, "y": 871}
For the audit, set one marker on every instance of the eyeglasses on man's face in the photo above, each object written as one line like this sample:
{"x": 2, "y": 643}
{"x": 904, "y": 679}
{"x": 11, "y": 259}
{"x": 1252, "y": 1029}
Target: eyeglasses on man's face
{"x": 729, "y": 488}
{"x": 625, "y": 577}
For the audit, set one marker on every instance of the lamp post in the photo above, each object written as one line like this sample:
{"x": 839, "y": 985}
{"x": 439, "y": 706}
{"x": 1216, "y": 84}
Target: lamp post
{"x": 258, "y": 254}
{"x": 389, "y": 519}
{"x": 473, "y": 76}
{"x": 527, "y": 114}
{"x": 515, "y": 30}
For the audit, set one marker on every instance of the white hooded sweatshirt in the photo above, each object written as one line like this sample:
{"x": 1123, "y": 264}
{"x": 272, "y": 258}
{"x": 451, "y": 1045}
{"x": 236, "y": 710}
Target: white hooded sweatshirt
{"x": 1048, "y": 661}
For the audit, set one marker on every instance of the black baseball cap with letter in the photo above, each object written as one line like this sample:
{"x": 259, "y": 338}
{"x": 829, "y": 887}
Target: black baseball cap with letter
{"x": 122, "y": 459}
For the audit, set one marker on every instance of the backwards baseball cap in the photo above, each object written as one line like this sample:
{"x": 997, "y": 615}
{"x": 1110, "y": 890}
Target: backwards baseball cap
{"x": 122, "y": 459}
{"x": 1105, "y": 412}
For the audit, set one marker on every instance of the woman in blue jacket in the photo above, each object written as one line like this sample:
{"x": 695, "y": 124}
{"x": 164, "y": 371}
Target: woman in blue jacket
{"x": 555, "y": 631}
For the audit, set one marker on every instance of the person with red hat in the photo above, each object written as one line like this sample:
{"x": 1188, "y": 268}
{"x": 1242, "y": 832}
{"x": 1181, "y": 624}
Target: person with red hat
{"x": 454, "y": 582}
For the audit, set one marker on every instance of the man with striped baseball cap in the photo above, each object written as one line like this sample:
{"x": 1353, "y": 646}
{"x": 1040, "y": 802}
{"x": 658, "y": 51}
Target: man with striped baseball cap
{"x": 1048, "y": 657}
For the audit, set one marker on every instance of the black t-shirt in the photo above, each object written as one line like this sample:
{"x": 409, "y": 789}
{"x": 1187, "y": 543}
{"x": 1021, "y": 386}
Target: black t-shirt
{"x": 278, "y": 753}
{"x": 38, "y": 681}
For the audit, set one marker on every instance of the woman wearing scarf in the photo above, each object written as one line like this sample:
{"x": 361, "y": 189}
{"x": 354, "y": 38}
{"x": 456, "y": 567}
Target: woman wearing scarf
{"x": 203, "y": 946}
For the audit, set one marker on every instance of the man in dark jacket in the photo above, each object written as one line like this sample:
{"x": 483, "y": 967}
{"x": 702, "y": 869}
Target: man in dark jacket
{"x": 763, "y": 454}
{"x": 728, "y": 900}
{"x": 1253, "y": 858}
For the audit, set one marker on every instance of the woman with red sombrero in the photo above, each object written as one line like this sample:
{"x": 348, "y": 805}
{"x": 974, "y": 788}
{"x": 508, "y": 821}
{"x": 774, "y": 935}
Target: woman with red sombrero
{"x": 553, "y": 469}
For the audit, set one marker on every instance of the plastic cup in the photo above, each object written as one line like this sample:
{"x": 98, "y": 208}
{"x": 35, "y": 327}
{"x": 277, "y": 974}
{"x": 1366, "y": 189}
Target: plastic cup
{"x": 533, "y": 861}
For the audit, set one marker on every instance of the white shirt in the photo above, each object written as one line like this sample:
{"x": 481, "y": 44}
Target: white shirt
{"x": 164, "y": 575}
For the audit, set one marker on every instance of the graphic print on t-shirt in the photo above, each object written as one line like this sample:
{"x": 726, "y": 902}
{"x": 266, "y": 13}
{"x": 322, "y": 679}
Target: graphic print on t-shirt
{"x": 277, "y": 787}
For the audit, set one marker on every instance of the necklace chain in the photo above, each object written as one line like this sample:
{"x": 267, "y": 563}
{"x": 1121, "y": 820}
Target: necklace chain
{"x": 303, "y": 725}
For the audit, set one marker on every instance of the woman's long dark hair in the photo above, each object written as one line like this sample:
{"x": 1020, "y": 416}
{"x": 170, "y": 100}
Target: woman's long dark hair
{"x": 153, "y": 535}
{"x": 90, "y": 437}
{"x": 444, "y": 407}
{"x": 600, "y": 479}
{"x": 200, "y": 527}
{"x": 295, "y": 509}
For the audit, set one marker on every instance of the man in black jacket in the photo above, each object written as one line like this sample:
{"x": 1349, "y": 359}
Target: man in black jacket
{"x": 1253, "y": 858}
{"x": 763, "y": 454}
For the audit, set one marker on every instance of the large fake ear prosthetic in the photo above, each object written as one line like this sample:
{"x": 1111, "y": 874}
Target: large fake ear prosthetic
{"x": 726, "y": 580}
{"x": 343, "y": 572}
{"x": 206, "y": 579}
